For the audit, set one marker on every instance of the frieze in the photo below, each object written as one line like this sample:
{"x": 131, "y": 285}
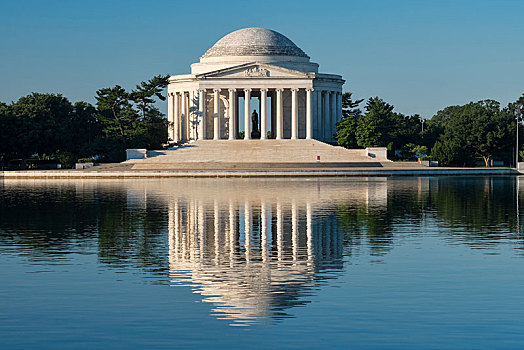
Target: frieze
{"x": 256, "y": 72}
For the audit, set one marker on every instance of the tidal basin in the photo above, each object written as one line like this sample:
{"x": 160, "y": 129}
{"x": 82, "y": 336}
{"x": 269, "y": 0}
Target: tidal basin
{"x": 396, "y": 262}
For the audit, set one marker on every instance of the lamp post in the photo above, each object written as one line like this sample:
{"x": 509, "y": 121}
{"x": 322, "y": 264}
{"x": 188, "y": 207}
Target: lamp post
{"x": 517, "y": 112}
{"x": 517, "y": 142}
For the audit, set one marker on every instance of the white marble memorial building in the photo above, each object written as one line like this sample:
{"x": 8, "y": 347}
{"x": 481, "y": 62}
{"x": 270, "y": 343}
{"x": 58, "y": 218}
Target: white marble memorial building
{"x": 300, "y": 102}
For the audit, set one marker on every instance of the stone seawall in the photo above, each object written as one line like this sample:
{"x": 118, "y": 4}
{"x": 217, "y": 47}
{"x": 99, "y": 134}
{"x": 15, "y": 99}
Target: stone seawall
{"x": 259, "y": 173}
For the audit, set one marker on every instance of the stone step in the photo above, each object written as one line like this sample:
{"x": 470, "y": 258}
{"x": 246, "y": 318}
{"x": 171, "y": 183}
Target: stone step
{"x": 255, "y": 151}
{"x": 253, "y": 166}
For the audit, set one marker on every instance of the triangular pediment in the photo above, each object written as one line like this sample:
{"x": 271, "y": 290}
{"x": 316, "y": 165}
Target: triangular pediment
{"x": 257, "y": 71}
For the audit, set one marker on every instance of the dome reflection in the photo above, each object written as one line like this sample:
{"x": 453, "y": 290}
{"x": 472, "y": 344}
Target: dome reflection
{"x": 254, "y": 256}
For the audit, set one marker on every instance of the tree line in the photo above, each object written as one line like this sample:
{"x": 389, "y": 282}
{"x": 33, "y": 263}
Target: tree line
{"x": 50, "y": 127}
{"x": 454, "y": 136}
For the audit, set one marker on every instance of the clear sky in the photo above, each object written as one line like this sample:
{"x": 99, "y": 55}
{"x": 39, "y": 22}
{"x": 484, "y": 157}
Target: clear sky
{"x": 419, "y": 56}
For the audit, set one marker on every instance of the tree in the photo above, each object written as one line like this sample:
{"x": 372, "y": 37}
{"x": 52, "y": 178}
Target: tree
{"x": 42, "y": 122}
{"x": 516, "y": 109}
{"x": 347, "y": 126}
{"x": 475, "y": 130}
{"x": 151, "y": 129}
{"x": 8, "y": 134}
{"x": 131, "y": 118}
{"x": 86, "y": 127}
{"x": 382, "y": 127}
{"x": 143, "y": 94}
{"x": 444, "y": 152}
{"x": 404, "y": 129}
{"x": 50, "y": 126}
{"x": 411, "y": 151}
{"x": 373, "y": 128}
{"x": 115, "y": 111}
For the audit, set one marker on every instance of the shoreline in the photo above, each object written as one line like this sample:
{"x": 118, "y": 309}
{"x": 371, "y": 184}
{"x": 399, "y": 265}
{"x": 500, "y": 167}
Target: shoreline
{"x": 259, "y": 173}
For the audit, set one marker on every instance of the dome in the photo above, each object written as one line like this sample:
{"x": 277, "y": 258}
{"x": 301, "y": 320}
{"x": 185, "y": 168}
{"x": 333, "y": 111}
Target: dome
{"x": 254, "y": 42}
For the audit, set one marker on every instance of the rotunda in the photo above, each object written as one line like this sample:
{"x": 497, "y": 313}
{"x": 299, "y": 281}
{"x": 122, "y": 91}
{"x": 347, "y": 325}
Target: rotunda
{"x": 254, "y": 69}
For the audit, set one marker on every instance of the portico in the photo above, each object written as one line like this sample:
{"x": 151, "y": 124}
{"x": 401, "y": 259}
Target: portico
{"x": 254, "y": 69}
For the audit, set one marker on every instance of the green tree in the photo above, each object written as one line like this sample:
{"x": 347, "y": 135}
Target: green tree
{"x": 131, "y": 119}
{"x": 8, "y": 134}
{"x": 143, "y": 94}
{"x": 86, "y": 129}
{"x": 151, "y": 129}
{"x": 43, "y": 122}
{"x": 382, "y": 127}
{"x": 47, "y": 126}
{"x": 116, "y": 112}
{"x": 445, "y": 152}
{"x": 516, "y": 109}
{"x": 475, "y": 130}
{"x": 50, "y": 126}
{"x": 347, "y": 126}
{"x": 373, "y": 128}
{"x": 411, "y": 151}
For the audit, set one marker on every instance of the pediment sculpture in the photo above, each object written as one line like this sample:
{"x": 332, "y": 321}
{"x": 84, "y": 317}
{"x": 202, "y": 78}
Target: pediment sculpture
{"x": 256, "y": 72}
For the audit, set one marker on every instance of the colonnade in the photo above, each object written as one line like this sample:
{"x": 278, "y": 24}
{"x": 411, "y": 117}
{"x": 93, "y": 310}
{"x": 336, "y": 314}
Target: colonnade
{"x": 187, "y": 113}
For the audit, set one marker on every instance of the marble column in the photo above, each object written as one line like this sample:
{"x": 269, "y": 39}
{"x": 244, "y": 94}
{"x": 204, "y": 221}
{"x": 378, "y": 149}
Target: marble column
{"x": 170, "y": 115}
{"x": 176, "y": 118}
{"x": 294, "y": 112}
{"x": 326, "y": 117}
{"x": 333, "y": 115}
{"x": 319, "y": 131}
{"x": 339, "y": 106}
{"x": 191, "y": 113}
{"x": 263, "y": 114}
{"x": 308, "y": 115}
{"x": 232, "y": 117}
{"x": 247, "y": 114}
{"x": 280, "y": 114}
{"x": 216, "y": 114}
{"x": 183, "y": 116}
{"x": 201, "y": 114}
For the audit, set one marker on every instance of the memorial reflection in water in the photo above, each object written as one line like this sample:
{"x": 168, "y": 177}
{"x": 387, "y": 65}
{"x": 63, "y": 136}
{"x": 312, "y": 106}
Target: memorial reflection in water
{"x": 254, "y": 256}
{"x": 252, "y": 248}
{"x": 381, "y": 261}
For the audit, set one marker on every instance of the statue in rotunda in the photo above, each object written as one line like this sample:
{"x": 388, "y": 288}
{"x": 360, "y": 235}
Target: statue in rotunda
{"x": 255, "y": 133}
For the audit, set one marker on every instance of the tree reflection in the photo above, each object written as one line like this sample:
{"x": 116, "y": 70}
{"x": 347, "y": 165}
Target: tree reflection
{"x": 254, "y": 249}
{"x": 476, "y": 211}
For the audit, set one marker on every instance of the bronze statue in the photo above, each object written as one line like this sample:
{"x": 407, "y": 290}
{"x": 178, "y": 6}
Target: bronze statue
{"x": 255, "y": 133}
{"x": 254, "y": 120}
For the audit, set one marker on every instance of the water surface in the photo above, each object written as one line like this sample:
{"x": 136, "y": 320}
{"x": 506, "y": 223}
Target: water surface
{"x": 172, "y": 263}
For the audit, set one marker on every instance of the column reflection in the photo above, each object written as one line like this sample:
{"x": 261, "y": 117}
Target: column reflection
{"x": 256, "y": 274}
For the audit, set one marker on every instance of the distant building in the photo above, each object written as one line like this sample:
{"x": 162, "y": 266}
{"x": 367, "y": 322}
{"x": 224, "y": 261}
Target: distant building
{"x": 254, "y": 63}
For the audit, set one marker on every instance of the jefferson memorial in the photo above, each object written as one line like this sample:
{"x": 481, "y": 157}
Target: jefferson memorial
{"x": 248, "y": 70}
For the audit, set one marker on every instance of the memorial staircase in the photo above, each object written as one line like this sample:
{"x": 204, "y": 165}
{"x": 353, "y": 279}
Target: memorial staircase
{"x": 255, "y": 154}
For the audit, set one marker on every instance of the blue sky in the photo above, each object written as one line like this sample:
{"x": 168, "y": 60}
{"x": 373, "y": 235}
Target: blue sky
{"x": 419, "y": 56}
